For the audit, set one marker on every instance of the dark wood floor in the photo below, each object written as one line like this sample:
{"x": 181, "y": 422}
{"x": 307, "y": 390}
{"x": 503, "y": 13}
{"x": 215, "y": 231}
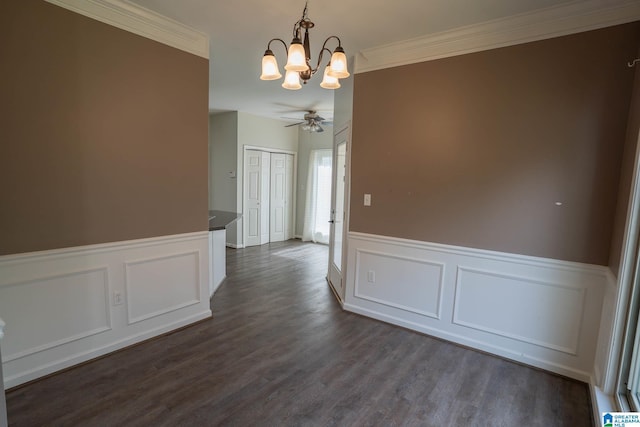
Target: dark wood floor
{"x": 280, "y": 352}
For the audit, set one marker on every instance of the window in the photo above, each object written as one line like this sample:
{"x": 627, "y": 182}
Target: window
{"x": 629, "y": 374}
{"x": 318, "y": 203}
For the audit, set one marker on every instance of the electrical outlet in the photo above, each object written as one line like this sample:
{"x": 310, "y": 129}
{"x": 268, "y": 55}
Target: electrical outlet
{"x": 117, "y": 298}
{"x": 371, "y": 276}
{"x": 367, "y": 199}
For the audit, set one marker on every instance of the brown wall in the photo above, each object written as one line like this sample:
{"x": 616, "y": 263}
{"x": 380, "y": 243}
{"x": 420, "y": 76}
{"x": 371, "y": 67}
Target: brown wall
{"x": 626, "y": 174}
{"x": 103, "y": 133}
{"x": 475, "y": 150}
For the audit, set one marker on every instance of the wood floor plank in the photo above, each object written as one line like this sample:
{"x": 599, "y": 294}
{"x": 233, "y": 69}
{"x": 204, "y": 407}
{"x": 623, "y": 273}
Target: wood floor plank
{"x": 279, "y": 351}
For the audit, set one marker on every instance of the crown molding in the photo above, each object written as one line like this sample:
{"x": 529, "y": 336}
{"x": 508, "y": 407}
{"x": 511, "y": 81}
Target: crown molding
{"x": 555, "y": 21}
{"x": 143, "y": 22}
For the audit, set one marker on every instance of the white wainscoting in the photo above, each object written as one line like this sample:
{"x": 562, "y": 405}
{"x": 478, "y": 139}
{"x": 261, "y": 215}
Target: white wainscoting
{"x": 66, "y": 306}
{"x": 176, "y": 274}
{"x": 417, "y": 284}
{"x": 218, "y": 259}
{"x": 542, "y": 312}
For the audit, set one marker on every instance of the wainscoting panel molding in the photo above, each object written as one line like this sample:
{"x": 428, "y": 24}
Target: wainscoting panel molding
{"x": 68, "y": 322}
{"x": 158, "y": 286}
{"x": 66, "y": 306}
{"x": 407, "y": 284}
{"x": 525, "y": 299}
{"x": 538, "y": 311}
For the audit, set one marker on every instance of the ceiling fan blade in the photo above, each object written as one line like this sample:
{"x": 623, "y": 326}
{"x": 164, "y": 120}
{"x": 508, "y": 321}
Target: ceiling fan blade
{"x": 295, "y": 108}
{"x": 293, "y": 124}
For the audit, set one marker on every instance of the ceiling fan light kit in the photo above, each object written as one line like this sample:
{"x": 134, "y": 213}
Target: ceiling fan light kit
{"x": 313, "y": 128}
{"x": 298, "y": 65}
{"x": 311, "y": 122}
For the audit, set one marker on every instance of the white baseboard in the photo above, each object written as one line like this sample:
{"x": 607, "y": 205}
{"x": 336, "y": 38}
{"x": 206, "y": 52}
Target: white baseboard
{"x": 234, "y": 246}
{"x": 217, "y": 285}
{"x": 538, "y": 311}
{"x": 66, "y": 306}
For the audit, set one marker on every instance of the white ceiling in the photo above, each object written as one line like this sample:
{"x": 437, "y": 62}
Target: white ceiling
{"x": 239, "y": 32}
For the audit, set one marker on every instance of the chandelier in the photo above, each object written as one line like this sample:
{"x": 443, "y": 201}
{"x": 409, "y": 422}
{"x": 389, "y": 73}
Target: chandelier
{"x": 299, "y": 56}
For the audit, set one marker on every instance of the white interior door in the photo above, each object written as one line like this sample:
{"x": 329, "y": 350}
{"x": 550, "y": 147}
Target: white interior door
{"x": 252, "y": 211}
{"x": 265, "y": 178}
{"x": 278, "y": 198}
{"x": 337, "y": 230}
{"x": 268, "y": 197}
{"x": 288, "y": 200}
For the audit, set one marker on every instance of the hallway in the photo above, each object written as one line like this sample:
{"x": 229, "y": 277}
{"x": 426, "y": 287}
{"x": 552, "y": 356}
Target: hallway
{"x": 280, "y": 351}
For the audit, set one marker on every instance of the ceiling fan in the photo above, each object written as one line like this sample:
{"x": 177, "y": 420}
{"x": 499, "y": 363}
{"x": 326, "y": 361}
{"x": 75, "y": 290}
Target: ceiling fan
{"x": 311, "y": 122}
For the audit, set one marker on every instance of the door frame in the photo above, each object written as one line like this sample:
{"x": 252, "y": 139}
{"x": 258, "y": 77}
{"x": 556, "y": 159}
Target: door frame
{"x": 340, "y": 293}
{"x": 615, "y": 356}
{"x": 240, "y": 200}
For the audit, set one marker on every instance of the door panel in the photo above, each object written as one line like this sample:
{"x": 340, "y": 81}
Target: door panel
{"x": 265, "y": 177}
{"x": 338, "y": 216}
{"x": 288, "y": 198}
{"x": 278, "y": 193}
{"x": 251, "y": 204}
{"x": 254, "y": 186}
{"x": 254, "y": 229}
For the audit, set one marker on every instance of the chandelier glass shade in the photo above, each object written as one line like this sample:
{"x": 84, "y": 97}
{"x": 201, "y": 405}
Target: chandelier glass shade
{"x": 270, "y": 68}
{"x": 328, "y": 81}
{"x": 296, "y": 58}
{"x": 291, "y": 80}
{"x": 298, "y": 67}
